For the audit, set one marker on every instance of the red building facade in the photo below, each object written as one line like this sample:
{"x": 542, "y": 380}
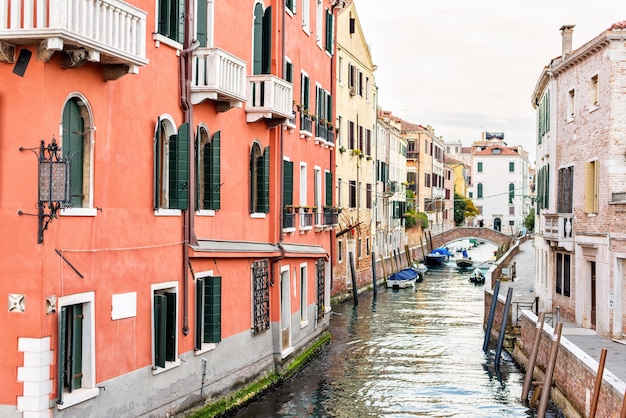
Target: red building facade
{"x": 166, "y": 179}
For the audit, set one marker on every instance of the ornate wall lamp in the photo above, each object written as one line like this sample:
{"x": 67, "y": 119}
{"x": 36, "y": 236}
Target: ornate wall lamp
{"x": 54, "y": 184}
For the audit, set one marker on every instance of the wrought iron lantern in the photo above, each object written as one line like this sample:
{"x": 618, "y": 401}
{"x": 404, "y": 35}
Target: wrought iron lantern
{"x": 54, "y": 184}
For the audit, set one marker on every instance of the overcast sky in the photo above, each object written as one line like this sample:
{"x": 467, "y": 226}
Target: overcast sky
{"x": 469, "y": 66}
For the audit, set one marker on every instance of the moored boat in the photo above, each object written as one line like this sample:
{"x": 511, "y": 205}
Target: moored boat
{"x": 438, "y": 256}
{"x": 477, "y": 277}
{"x": 464, "y": 263}
{"x": 403, "y": 278}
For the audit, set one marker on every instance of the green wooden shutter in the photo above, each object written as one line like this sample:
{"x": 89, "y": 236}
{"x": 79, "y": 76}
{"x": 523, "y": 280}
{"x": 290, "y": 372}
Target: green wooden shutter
{"x": 164, "y": 17}
{"x": 213, "y": 310}
{"x": 61, "y": 355}
{"x": 266, "y": 55}
{"x": 76, "y": 361}
{"x": 170, "y": 327}
{"x": 257, "y": 66}
{"x": 179, "y": 168}
{"x": 214, "y": 185}
{"x": 179, "y": 22}
{"x": 263, "y": 190}
{"x": 157, "y": 164}
{"x": 74, "y": 149}
{"x": 201, "y": 19}
{"x": 329, "y": 188}
{"x": 160, "y": 310}
{"x": 199, "y": 313}
{"x": 330, "y": 25}
{"x": 307, "y": 93}
{"x": 288, "y": 182}
{"x": 197, "y": 152}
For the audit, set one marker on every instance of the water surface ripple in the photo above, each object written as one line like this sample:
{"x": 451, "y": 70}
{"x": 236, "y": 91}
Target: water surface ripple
{"x": 405, "y": 353}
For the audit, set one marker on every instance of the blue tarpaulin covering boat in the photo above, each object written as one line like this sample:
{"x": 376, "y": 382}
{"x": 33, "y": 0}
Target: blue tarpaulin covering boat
{"x": 403, "y": 278}
{"x": 438, "y": 256}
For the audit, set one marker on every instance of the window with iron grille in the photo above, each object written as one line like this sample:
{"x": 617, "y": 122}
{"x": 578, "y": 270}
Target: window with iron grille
{"x": 261, "y": 296}
{"x": 320, "y": 266}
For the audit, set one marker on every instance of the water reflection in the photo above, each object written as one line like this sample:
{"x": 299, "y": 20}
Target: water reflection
{"x": 409, "y": 352}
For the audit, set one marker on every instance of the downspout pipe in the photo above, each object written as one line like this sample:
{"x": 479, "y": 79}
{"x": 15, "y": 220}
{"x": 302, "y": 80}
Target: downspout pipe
{"x": 185, "y": 63}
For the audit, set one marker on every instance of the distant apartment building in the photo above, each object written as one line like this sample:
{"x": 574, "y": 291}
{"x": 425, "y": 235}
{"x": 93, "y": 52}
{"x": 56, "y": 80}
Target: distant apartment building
{"x": 499, "y": 183}
{"x": 391, "y": 185}
{"x": 355, "y": 154}
{"x": 580, "y": 183}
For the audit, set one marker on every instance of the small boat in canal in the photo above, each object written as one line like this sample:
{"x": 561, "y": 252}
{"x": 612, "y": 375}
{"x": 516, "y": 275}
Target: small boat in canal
{"x": 465, "y": 262}
{"x": 420, "y": 268}
{"x": 477, "y": 277}
{"x": 403, "y": 278}
{"x": 438, "y": 256}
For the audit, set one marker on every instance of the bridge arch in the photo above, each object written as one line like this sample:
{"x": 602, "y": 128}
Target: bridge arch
{"x": 461, "y": 233}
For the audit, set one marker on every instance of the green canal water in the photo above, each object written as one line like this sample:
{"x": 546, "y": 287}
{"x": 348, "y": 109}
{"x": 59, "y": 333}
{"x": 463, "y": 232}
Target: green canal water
{"x": 414, "y": 352}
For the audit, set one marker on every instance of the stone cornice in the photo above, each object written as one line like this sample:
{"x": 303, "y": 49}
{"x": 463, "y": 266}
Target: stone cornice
{"x": 591, "y": 48}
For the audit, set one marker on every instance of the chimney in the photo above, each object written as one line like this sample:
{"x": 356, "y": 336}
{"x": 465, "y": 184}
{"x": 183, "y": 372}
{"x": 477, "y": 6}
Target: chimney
{"x": 566, "y": 40}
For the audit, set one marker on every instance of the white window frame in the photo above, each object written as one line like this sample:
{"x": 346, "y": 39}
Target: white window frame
{"x": 88, "y": 388}
{"x": 205, "y": 346}
{"x": 304, "y": 317}
{"x": 306, "y": 18}
{"x": 154, "y": 288}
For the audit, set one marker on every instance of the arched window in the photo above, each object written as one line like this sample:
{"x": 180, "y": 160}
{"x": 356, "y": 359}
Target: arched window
{"x": 208, "y": 169}
{"x": 259, "y": 179}
{"x": 76, "y": 144}
{"x": 479, "y": 191}
{"x": 171, "y": 165}
{"x": 262, "y": 40}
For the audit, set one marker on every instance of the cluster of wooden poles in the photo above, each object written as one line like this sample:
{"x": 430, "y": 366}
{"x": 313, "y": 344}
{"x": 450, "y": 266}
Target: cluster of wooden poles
{"x": 541, "y": 393}
{"x": 396, "y": 260}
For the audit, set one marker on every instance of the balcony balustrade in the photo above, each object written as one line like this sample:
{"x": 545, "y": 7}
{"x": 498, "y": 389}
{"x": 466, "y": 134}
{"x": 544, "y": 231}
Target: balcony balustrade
{"x": 331, "y": 218}
{"x": 106, "y": 31}
{"x": 289, "y": 220}
{"x": 306, "y": 220}
{"x": 268, "y": 97}
{"x": 306, "y": 125}
{"x": 558, "y": 228}
{"x": 323, "y": 133}
{"x": 218, "y": 75}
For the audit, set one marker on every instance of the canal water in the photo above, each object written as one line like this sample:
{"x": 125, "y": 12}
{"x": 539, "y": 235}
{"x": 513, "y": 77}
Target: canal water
{"x": 405, "y": 353}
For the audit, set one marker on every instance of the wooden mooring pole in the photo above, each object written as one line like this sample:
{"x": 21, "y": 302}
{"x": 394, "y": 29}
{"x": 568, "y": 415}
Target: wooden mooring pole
{"x": 547, "y": 384}
{"x": 596, "y": 390}
{"x": 530, "y": 366}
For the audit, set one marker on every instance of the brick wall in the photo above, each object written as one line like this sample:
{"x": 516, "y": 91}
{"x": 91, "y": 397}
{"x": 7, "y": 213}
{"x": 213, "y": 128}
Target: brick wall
{"x": 574, "y": 373}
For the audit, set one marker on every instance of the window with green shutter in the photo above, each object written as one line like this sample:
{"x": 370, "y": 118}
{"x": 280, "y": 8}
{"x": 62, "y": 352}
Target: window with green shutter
{"x": 73, "y": 147}
{"x": 70, "y": 370}
{"x": 208, "y": 310}
{"x": 328, "y": 183}
{"x": 262, "y": 40}
{"x": 259, "y": 179}
{"x": 172, "y": 19}
{"x": 164, "y": 328}
{"x": 171, "y": 166}
{"x": 201, "y": 23}
{"x": 288, "y": 183}
{"x": 208, "y": 170}
{"x": 179, "y": 168}
{"x": 330, "y": 28}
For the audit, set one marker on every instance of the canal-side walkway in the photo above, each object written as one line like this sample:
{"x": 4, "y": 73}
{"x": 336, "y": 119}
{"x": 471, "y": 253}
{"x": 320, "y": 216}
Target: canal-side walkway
{"x": 587, "y": 340}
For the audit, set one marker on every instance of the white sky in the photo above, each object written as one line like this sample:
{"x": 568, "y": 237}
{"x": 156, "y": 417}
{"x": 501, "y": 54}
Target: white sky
{"x": 469, "y": 66}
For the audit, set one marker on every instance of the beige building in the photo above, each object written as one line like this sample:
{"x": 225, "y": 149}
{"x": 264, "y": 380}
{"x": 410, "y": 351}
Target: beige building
{"x": 356, "y": 98}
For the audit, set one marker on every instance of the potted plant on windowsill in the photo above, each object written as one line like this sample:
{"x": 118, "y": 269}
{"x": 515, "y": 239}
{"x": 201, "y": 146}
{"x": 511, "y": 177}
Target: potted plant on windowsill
{"x": 342, "y": 149}
{"x": 289, "y": 208}
{"x": 356, "y": 152}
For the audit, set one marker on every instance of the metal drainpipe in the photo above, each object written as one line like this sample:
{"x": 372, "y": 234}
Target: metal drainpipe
{"x": 185, "y": 90}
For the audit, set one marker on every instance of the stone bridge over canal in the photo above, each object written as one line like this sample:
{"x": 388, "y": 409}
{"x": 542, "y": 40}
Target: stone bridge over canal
{"x": 461, "y": 233}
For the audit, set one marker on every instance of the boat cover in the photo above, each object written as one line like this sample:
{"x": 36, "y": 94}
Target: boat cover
{"x": 406, "y": 274}
{"x": 442, "y": 251}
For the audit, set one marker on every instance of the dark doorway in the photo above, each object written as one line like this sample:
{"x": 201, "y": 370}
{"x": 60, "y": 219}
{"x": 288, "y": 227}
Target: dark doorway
{"x": 593, "y": 294}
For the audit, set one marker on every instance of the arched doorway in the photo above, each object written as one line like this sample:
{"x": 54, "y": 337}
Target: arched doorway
{"x": 497, "y": 224}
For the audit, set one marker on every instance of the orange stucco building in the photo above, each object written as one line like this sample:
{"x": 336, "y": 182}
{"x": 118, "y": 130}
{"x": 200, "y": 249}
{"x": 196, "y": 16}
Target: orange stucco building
{"x": 166, "y": 197}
